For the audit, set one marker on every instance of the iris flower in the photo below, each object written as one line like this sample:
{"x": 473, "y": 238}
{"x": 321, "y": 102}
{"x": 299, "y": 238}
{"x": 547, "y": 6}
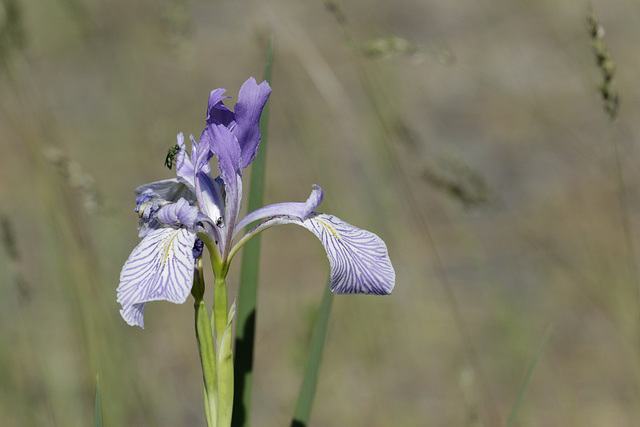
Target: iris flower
{"x": 177, "y": 214}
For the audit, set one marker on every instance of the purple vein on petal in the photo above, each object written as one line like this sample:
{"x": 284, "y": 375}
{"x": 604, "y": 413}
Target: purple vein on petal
{"x": 159, "y": 268}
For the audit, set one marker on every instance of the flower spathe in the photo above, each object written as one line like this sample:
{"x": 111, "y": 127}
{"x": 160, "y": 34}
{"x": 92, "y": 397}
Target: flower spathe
{"x": 174, "y": 212}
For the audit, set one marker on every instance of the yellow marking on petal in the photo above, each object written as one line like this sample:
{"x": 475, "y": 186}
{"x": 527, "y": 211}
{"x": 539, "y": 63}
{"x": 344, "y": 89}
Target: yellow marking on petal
{"x": 330, "y": 228}
{"x": 141, "y": 209}
{"x": 168, "y": 248}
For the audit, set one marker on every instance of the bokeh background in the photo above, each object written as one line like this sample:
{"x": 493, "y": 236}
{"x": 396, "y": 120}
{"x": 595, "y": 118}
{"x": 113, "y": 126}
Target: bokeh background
{"x": 470, "y": 136}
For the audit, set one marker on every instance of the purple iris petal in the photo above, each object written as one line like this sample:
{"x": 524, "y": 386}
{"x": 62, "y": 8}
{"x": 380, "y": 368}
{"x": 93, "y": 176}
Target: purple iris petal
{"x": 314, "y": 200}
{"x": 170, "y": 190}
{"x": 179, "y": 213}
{"x": 295, "y": 209}
{"x": 217, "y": 112}
{"x": 187, "y": 168}
{"x": 209, "y": 196}
{"x": 148, "y": 221}
{"x": 359, "y": 259}
{"x": 184, "y": 165}
{"x": 134, "y": 314}
{"x": 200, "y": 154}
{"x": 159, "y": 268}
{"x": 156, "y": 212}
{"x": 145, "y": 197}
{"x": 198, "y": 247}
{"x": 148, "y": 204}
{"x": 225, "y": 146}
{"x": 251, "y": 100}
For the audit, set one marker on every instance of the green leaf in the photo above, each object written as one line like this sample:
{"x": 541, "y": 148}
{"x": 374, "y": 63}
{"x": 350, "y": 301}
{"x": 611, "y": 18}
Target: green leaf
{"x": 310, "y": 380}
{"x": 97, "y": 417}
{"x": 247, "y": 294}
{"x": 527, "y": 378}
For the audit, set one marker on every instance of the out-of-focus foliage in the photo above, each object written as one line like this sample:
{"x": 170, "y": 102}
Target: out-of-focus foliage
{"x": 469, "y": 135}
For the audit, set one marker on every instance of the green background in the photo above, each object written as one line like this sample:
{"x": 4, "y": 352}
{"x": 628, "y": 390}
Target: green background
{"x": 470, "y": 136}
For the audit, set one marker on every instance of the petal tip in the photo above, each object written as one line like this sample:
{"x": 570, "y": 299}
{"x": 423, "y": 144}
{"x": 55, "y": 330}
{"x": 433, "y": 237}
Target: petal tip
{"x": 359, "y": 259}
{"x": 133, "y": 315}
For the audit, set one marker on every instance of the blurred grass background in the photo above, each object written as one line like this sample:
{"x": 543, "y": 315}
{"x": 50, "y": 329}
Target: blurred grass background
{"x": 468, "y": 135}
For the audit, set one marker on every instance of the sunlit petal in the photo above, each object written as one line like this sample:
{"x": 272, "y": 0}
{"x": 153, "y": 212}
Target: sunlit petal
{"x": 180, "y": 213}
{"x": 151, "y": 198}
{"x": 217, "y": 112}
{"x": 225, "y": 146}
{"x": 359, "y": 259}
{"x": 184, "y": 165}
{"x": 294, "y": 209}
{"x": 159, "y": 268}
{"x": 169, "y": 189}
{"x": 251, "y": 100}
{"x": 209, "y": 193}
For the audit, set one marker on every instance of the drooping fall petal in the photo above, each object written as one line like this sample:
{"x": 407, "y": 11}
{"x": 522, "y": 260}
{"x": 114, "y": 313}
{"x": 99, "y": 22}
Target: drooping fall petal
{"x": 159, "y": 268}
{"x": 359, "y": 259}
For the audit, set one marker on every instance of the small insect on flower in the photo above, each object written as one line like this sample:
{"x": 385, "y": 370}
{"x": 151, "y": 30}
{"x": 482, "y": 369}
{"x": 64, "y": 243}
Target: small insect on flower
{"x": 171, "y": 156}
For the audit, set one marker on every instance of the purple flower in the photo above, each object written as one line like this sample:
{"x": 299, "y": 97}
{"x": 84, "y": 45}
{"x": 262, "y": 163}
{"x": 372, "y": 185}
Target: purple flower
{"x": 174, "y": 212}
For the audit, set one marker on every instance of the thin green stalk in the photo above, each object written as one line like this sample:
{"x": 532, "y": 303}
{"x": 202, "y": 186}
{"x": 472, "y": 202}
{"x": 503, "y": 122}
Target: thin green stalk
{"x": 611, "y": 103}
{"x": 626, "y": 227}
{"x": 527, "y": 378}
{"x": 247, "y": 293}
{"x": 206, "y": 349}
{"x": 310, "y": 379}
{"x": 97, "y": 415}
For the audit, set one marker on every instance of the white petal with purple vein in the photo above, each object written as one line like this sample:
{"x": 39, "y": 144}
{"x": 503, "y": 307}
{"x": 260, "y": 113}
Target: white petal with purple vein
{"x": 159, "y": 268}
{"x": 359, "y": 259}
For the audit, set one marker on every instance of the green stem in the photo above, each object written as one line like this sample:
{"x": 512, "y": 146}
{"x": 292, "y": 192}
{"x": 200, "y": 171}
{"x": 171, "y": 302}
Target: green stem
{"x": 204, "y": 336}
{"x": 220, "y": 307}
{"x": 223, "y": 397}
{"x": 222, "y": 324}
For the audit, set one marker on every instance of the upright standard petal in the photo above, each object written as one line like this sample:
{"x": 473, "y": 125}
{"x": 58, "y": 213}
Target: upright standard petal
{"x": 184, "y": 165}
{"x": 251, "y": 101}
{"x": 209, "y": 193}
{"x": 217, "y": 112}
{"x": 200, "y": 155}
{"x": 225, "y": 146}
{"x": 359, "y": 259}
{"x": 159, "y": 268}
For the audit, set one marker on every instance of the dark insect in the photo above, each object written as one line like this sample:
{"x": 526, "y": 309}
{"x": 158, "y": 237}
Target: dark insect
{"x": 171, "y": 156}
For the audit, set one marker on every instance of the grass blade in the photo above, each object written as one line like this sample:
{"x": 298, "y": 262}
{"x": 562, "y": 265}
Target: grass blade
{"x": 527, "y": 378}
{"x": 246, "y": 303}
{"x": 310, "y": 380}
{"x": 97, "y": 416}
